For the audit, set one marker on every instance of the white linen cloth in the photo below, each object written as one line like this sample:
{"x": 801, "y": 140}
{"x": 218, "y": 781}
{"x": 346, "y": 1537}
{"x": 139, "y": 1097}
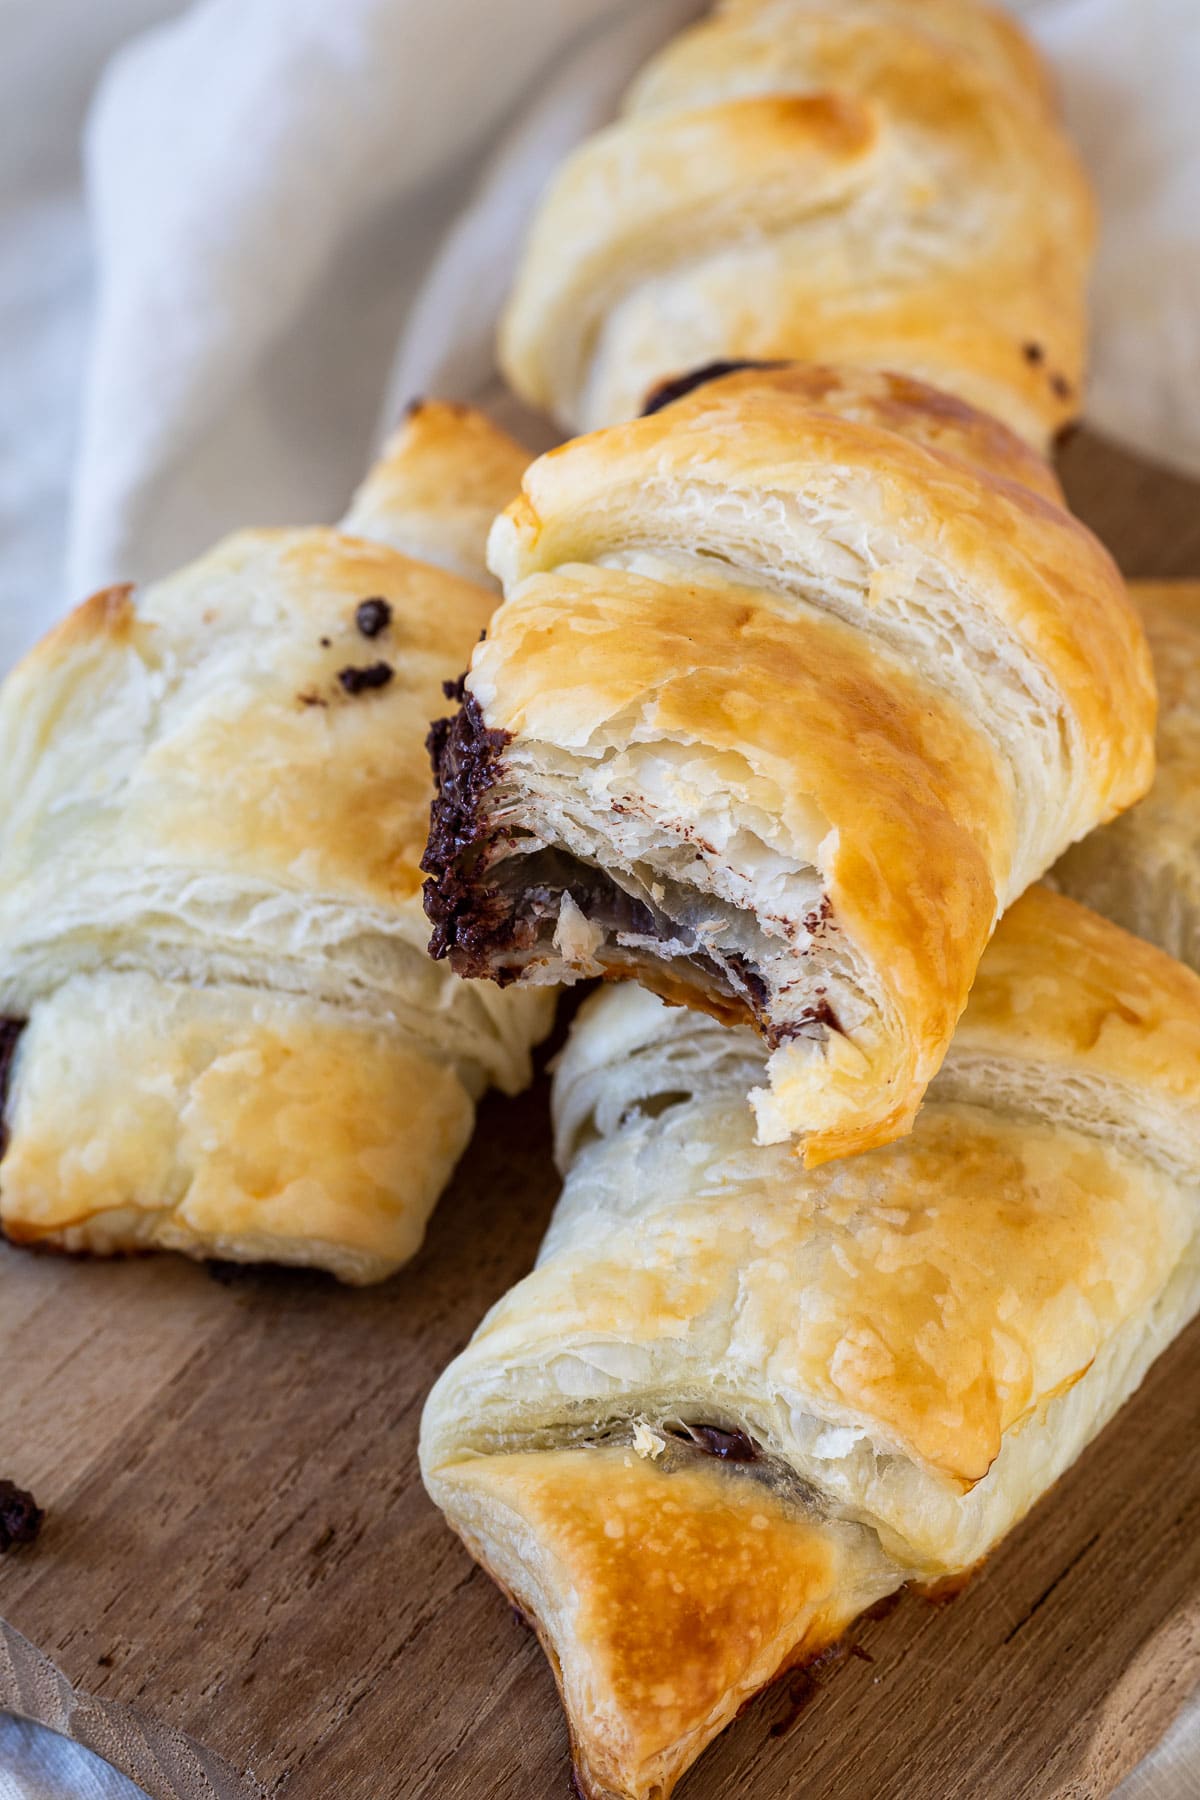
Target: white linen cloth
{"x": 206, "y": 335}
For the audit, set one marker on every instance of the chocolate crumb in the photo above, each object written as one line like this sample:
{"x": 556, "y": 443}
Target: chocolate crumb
{"x": 1061, "y": 386}
{"x": 311, "y": 700}
{"x": 1033, "y": 353}
{"x": 373, "y": 616}
{"x": 361, "y": 681}
{"x": 325, "y": 643}
{"x": 105, "y": 1661}
{"x": 678, "y": 385}
{"x": 20, "y": 1516}
{"x": 813, "y": 921}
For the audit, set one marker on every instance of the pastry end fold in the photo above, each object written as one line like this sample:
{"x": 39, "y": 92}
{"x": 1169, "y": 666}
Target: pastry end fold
{"x": 667, "y": 1586}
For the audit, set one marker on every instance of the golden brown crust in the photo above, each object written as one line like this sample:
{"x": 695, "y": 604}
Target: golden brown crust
{"x": 968, "y": 494}
{"x": 290, "y": 768}
{"x": 443, "y": 476}
{"x": 864, "y": 182}
{"x": 895, "y": 1354}
{"x": 819, "y": 647}
{"x": 819, "y": 720}
{"x": 1144, "y": 869}
{"x": 665, "y": 1600}
{"x": 223, "y": 1122}
{"x": 216, "y": 798}
{"x": 1060, "y": 985}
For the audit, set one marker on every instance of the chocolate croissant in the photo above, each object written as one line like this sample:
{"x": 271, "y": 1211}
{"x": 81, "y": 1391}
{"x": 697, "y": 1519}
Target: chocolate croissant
{"x": 798, "y": 684}
{"x": 224, "y": 1036}
{"x": 736, "y": 1403}
{"x": 1143, "y": 870}
{"x": 881, "y": 182}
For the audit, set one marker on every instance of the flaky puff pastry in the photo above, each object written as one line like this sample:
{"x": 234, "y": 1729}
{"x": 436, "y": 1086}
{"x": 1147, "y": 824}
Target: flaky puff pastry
{"x": 882, "y": 182}
{"x": 1144, "y": 869}
{"x": 736, "y": 1402}
{"x": 216, "y": 793}
{"x": 797, "y": 685}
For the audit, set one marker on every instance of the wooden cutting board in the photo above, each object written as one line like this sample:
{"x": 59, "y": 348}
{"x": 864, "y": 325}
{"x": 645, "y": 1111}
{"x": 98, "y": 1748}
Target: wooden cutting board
{"x": 239, "y": 1549}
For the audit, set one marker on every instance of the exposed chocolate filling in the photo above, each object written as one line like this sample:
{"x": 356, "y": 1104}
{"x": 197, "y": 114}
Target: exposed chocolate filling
{"x": 678, "y": 385}
{"x": 20, "y": 1516}
{"x": 10, "y": 1031}
{"x": 490, "y": 908}
{"x": 473, "y": 924}
{"x": 714, "y": 1440}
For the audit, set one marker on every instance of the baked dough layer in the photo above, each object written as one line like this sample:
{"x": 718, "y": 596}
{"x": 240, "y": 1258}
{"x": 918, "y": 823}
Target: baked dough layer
{"x": 798, "y": 684}
{"x": 865, "y": 182}
{"x": 1143, "y": 870}
{"x": 215, "y": 800}
{"x": 888, "y": 1359}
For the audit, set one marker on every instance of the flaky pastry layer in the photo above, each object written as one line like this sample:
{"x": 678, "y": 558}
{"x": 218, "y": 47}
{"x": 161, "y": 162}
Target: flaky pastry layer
{"x": 798, "y": 684}
{"x": 1143, "y": 870}
{"x": 756, "y": 1398}
{"x": 216, "y": 796}
{"x": 864, "y": 182}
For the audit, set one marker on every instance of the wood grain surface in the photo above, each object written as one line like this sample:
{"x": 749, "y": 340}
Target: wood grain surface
{"x": 238, "y": 1546}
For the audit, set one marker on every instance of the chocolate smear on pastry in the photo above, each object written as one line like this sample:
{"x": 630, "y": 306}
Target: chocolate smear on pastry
{"x": 470, "y": 924}
{"x": 678, "y": 385}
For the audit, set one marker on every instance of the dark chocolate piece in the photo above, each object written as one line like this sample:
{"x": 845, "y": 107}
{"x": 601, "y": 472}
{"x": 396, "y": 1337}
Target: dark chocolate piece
{"x": 1033, "y": 353}
{"x": 678, "y": 385}
{"x": 361, "y": 681}
{"x": 714, "y": 1440}
{"x": 373, "y": 616}
{"x": 20, "y": 1516}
